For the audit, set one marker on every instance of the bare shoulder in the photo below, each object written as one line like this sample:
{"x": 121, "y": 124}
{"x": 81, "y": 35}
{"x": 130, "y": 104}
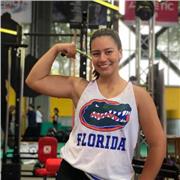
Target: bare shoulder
{"x": 141, "y": 94}
{"x": 146, "y": 107}
{"x": 148, "y": 118}
{"x": 79, "y": 84}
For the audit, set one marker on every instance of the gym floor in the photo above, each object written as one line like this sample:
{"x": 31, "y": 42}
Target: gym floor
{"x": 28, "y": 167}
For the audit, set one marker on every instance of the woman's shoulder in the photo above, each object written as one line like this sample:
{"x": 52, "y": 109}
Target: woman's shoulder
{"x": 138, "y": 88}
{"x": 79, "y": 83}
{"x": 140, "y": 93}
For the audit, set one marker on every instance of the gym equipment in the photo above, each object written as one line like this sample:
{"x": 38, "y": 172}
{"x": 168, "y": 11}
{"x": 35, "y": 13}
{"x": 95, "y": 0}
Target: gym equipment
{"x": 71, "y": 12}
{"x": 11, "y": 171}
{"x": 18, "y": 86}
{"x": 10, "y": 30}
{"x": 12, "y": 51}
{"x": 48, "y": 163}
{"x": 84, "y": 54}
{"x": 60, "y": 135}
{"x": 168, "y": 170}
{"x": 80, "y": 52}
{"x": 144, "y": 9}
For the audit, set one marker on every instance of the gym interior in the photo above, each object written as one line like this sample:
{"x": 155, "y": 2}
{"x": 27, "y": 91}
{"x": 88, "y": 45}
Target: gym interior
{"x": 150, "y": 35}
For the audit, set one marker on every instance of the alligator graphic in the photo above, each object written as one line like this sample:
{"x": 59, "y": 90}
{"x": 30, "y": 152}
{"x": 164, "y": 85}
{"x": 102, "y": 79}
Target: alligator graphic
{"x": 105, "y": 115}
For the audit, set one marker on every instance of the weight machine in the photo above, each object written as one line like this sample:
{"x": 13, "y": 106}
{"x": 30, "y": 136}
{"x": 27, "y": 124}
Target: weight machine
{"x": 13, "y": 56}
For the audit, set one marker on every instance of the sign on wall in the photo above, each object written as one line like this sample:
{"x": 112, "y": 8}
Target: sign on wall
{"x": 166, "y": 12}
{"x": 20, "y": 10}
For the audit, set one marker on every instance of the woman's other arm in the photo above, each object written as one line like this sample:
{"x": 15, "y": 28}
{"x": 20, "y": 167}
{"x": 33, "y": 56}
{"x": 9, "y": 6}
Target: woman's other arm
{"x": 154, "y": 135}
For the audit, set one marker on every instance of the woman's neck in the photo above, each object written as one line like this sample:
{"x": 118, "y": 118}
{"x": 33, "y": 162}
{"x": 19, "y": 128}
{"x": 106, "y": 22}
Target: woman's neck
{"x": 110, "y": 88}
{"x": 109, "y": 80}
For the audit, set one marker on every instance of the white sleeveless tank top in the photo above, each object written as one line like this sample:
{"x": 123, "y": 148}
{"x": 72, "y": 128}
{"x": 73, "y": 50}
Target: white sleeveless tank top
{"x": 104, "y": 135}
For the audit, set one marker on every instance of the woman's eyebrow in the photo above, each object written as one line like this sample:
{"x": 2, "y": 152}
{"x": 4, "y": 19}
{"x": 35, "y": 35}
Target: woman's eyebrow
{"x": 97, "y": 50}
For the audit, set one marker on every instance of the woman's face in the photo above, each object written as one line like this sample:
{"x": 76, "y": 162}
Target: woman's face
{"x": 105, "y": 55}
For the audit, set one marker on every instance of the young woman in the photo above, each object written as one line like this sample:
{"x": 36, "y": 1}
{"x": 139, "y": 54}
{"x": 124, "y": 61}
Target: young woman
{"x": 108, "y": 113}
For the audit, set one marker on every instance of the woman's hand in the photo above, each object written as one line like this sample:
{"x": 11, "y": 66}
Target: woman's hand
{"x": 67, "y": 49}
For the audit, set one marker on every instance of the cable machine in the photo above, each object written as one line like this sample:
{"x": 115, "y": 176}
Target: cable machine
{"x": 16, "y": 53}
{"x": 144, "y": 11}
{"x": 13, "y": 56}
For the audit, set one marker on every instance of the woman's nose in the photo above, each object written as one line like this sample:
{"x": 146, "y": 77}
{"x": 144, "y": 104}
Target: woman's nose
{"x": 103, "y": 57}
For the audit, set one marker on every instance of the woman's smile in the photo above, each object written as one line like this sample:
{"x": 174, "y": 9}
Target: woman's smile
{"x": 104, "y": 66}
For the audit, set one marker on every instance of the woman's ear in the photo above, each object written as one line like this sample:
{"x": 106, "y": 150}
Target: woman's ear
{"x": 120, "y": 53}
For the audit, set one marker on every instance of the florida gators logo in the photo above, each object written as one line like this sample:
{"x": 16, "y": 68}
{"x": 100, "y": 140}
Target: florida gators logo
{"x": 104, "y": 115}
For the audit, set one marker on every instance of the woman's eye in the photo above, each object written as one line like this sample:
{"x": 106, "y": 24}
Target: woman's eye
{"x": 95, "y": 54}
{"x": 108, "y": 52}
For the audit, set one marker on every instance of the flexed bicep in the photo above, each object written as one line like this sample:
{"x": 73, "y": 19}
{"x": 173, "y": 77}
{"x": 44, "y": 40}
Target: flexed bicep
{"x": 40, "y": 78}
{"x": 55, "y": 85}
